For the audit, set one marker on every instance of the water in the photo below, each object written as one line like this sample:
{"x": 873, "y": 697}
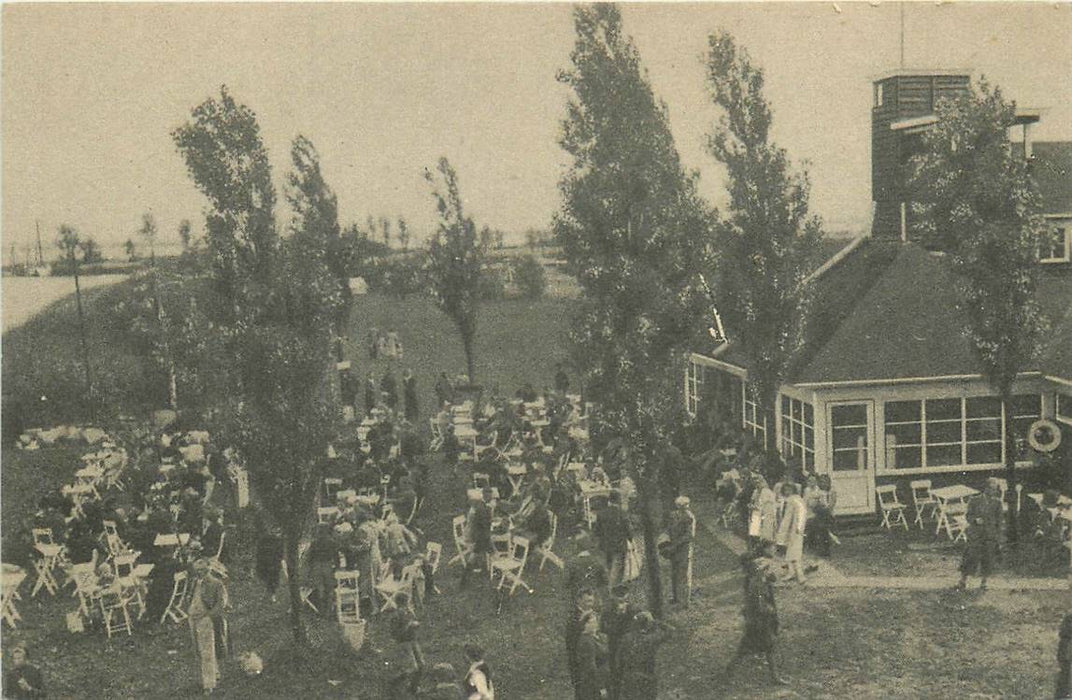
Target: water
{"x": 24, "y": 297}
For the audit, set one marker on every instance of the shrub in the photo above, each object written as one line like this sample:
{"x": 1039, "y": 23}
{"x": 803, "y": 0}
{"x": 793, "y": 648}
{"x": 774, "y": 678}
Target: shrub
{"x": 530, "y": 278}
{"x": 492, "y": 285}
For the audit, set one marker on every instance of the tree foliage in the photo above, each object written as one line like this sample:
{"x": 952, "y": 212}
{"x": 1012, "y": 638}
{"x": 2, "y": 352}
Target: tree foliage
{"x": 769, "y": 242}
{"x": 974, "y": 197}
{"x": 456, "y": 260}
{"x": 530, "y": 278}
{"x": 227, "y": 161}
{"x": 635, "y": 235}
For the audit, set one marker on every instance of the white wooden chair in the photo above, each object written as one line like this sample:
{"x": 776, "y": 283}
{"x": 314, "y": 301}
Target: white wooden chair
{"x": 332, "y": 486}
{"x": 347, "y": 597}
{"x": 84, "y": 577}
{"x": 923, "y": 500}
{"x": 511, "y": 565}
{"x": 437, "y": 435}
{"x": 114, "y": 609}
{"x": 544, "y": 550}
{"x": 51, "y": 556}
{"x": 176, "y": 607}
{"x": 954, "y": 519}
{"x": 462, "y": 546}
{"x": 890, "y": 507}
{"x": 132, "y": 585}
{"x": 391, "y": 589}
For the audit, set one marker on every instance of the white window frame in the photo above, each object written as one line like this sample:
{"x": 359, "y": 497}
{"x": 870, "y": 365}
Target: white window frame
{"x": 1065, "y": 230}
{"x": 791, "y": 447}
{"x": 753, "y": 426}
{"x": 1058, "y": 400}
{"x": 695, "y": 375}
{"x": 880, "y": 95}
{"x": 963, "y": 442}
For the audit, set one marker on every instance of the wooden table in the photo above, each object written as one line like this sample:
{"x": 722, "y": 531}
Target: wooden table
{"x": 948, "y": 496}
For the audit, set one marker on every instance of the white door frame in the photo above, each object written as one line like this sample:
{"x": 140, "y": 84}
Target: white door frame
{"x": 869, "y": 471}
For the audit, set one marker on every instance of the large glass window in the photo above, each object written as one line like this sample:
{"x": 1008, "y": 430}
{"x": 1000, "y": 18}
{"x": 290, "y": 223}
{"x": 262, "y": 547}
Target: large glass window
{"x": 943, "y": 432}
{"x": 798, "y": 431}
{"x": 754, "y": 420}
{"x": 1025, "y": 410}
{"x": 848, "y": 425}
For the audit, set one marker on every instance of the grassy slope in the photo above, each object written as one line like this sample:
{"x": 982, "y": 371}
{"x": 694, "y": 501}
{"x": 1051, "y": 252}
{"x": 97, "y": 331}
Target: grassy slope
{"x": 835, "y": 644}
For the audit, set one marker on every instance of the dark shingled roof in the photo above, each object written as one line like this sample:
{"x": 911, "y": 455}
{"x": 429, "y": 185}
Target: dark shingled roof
{"x": 889, "y": 311}
{"x": 1051, "y": 164}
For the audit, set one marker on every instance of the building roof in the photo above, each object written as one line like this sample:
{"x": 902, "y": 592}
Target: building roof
{"x": 1052, "y": 168}
{"x": 889, "y": 311}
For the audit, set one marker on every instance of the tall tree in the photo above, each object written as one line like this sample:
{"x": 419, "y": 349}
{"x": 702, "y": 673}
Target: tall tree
{"x": 975, "y": 198}
{"x": 90, "y": 249}
{"x": 769, "y": 242}
{"x": 385, "y": 229}
{"x": 455, "y": 260}
{"x": 316, "y": 216}
{"x": 635, "y": 235}
{"x": 403, "y": 234}
{"x": 148, "y": 233}
{"x": 70, "y": 242}
{"x": 131, "y": 250}
{"x": 227, "y": 161}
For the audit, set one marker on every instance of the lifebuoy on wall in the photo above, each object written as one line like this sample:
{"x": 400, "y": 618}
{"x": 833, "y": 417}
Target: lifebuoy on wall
{"x": 1044, "y": 435}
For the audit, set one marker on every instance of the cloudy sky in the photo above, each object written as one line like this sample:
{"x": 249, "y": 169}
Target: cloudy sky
{"x": 91, "y": 94}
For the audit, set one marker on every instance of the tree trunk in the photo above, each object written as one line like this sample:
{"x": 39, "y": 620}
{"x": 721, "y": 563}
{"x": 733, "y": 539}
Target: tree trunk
{"x": 1010, "y": 469}
{"x": 645, "y": 491}
{"x": 294, "y": 587}
{"x": 467, "y": 345}
{"x": 173, "y": 388}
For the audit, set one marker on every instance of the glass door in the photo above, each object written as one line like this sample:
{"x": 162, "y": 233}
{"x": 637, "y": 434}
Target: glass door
{"x": 851, "y": 453}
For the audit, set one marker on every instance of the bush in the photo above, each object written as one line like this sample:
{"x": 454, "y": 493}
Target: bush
{"x": 530, "y": 278}
{"x": 398, "y": 276}
{"x": 492, "y": 285}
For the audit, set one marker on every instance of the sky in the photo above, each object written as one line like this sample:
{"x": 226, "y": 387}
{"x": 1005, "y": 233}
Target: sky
{"x": 91, "y": 94}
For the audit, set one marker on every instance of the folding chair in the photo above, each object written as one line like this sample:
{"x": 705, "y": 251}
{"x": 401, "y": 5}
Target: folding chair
{"x": 889, "y": 505}
{"x": 84, "y": 577}
{"x": 331, "y": 487}
{"x": 460, "y": 544}
{"x": 347, "y": 597}
{"x": 954, "y": 518}
{"x": 113, "y": 604}
{"x": 511, "y": 565}
{"x": 391, "y": 589}
{"x": 47, "y": 562}
{"x": 128, "y": 580}
{"x": 544, "y": 550}
{"x": 8, "y": 610}
{"x": 175, "y": 607}
{"x": 922, "y": 500}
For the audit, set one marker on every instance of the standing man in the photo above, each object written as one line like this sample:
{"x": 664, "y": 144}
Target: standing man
{"x": 409, "y": 397}
{"x": 584, "y": 603}
{"x": 207, "y": 622}
{"x": 682, "y": 532}
{"x": 636, "y": 658}
{"x": 984, "y": 527}
{"x": 760, "y": 616}
{"x": 614, "y": 533}
{"x": 616, "y": 620}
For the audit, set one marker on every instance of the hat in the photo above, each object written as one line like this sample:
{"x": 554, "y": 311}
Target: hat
{"x": 682, "y": 501}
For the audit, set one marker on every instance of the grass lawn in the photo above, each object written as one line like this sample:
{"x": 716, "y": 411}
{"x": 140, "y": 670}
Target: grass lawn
{"x": 834, "y": 644}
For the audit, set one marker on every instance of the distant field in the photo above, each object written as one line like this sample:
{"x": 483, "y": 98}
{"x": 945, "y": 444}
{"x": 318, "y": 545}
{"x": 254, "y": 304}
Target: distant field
{"x": 24, "y": 297}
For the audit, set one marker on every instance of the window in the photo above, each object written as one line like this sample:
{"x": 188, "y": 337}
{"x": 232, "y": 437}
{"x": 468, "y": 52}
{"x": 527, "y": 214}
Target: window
{"x": 798, "y": 431}
{"x": 1063, "y": 409}
{"x": 848, "y": 426}
{"x": 1025, "y": 410}
{"x": 879, "y": 95}
{"x": 943, "y": 432}
{"x": 754, "y": 420}
{"x": 694, "y": 380}
{"x": 1055, "y": 245}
